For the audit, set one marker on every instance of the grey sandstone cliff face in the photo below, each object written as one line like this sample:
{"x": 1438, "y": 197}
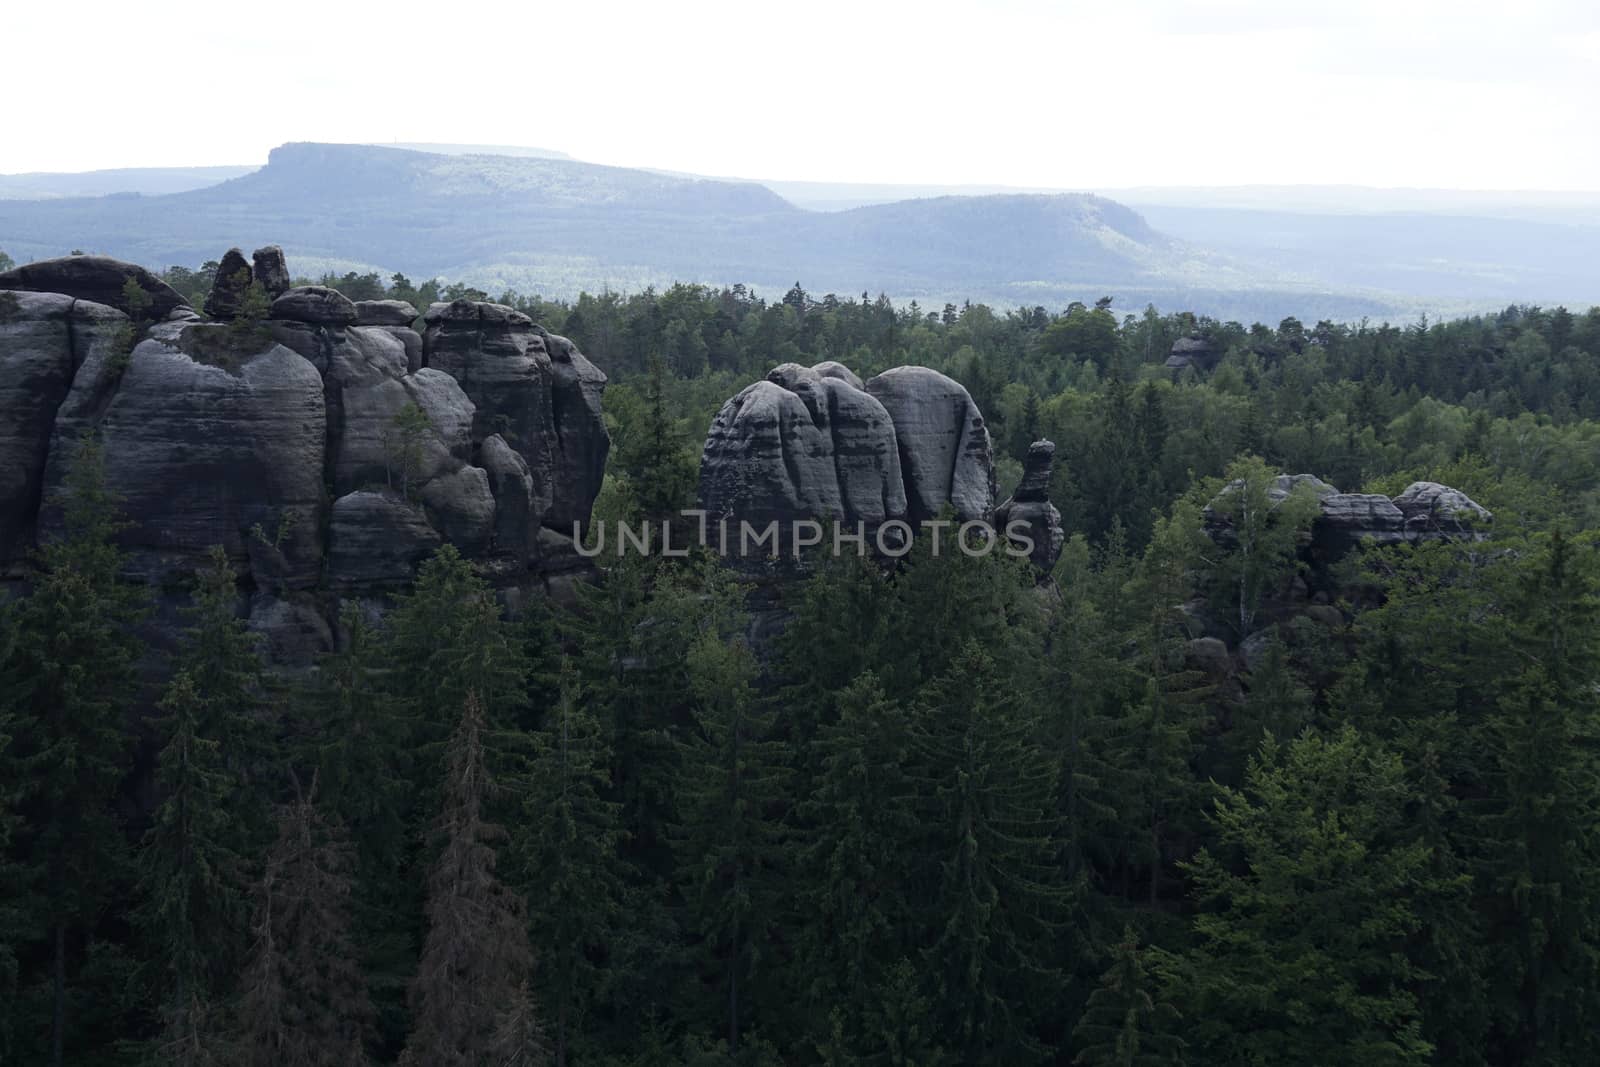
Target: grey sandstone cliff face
{"x": 944, "y": 444}
{"x": 802, "y": 444}
{"x": 44, "y": 339}
{"x": 319, "y": 446}
{"x": 202, "y": 454}
{"x": 1030, "y": 505}
{"x": 536, "y": 392}
{"x": 814, "y": 443}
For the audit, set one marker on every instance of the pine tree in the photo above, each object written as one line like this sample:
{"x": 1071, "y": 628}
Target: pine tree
{"x": 476, "y": 959}
{"x": 68, "y": 684}
{"x": 568, "y": 846}
{"x": 727, "y": 842}
{"x": 987, "y": 862}
{"x": 1124, "y": 1025}
{"x": 303, "y": 1001}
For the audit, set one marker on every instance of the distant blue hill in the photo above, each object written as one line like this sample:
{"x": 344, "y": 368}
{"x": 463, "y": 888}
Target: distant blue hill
{"x": 147, "y": 181}
{"x": 552, "y": 225}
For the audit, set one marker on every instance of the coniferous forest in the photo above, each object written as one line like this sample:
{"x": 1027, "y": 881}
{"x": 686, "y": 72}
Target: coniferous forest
{"x": 946, "y": 814}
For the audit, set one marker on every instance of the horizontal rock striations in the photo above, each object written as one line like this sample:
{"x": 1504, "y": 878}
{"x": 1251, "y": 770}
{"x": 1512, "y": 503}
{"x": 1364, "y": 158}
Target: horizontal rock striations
{"x": 1030, "y": 506}
{"x": 536, "y": 392}
{"x": 817, "y": 443}
{"x": 326, "y": 445}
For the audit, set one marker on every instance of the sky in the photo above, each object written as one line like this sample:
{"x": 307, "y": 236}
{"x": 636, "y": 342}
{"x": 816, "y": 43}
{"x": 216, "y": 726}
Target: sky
{"x": 1455, "y": 94}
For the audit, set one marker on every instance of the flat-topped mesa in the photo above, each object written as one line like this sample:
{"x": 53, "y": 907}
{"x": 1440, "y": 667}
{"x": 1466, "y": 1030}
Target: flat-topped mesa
{"x": 816, "y": 443}
{"x": 1030, "y": 505}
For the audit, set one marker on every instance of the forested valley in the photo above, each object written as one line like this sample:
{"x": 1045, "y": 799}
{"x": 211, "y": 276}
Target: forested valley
{"x": 951, "y": 813}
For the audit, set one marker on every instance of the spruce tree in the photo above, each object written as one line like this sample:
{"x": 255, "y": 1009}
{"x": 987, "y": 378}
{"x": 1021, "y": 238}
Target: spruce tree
{"x": 1538, "y": 828}
{"x": 568, "y": 847}
{"x": 1124, "y": 1025}
{"x": 69, "y": 683}
{"x": 861, "y": 826}
{"x": 988, "y": 869}
{"x": 728, "y": 842}
{"x": 303, "y": 1001}
{"x": 192, "y": 876}
{"x": 476, "y": 960}
{"x": 447, "y": 639}
{"x": 355, "y": 733}
{"x": 1307, "y": 904}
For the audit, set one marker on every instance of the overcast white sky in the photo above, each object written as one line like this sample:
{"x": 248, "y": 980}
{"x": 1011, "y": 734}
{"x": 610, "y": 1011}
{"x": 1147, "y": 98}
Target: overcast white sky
{"x": 1476, "y": 94}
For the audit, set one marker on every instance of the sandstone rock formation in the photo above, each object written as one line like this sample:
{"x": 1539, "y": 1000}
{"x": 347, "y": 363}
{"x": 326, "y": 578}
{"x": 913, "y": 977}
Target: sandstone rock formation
{"x": 814, "y": 443}
{"x": 802, "y": 444}
{"x": 1192, "y": 352}
{"x": 271, "y": 271}
{"x": 100, "y": 279}
{"x": 535, "y": 391}
{"x": 1423, "y": 511}
{"x": 44, "y": 339}
{"x": 323, "y": 448}
{"x": 229, "y": 286}
{"x": 203, "y": 450}
{"x": 1030, "y": 504}
{"x": 944, "y": 444}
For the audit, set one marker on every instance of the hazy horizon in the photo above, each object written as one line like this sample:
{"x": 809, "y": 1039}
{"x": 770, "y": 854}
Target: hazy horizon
{"x": 1027, "y": 94}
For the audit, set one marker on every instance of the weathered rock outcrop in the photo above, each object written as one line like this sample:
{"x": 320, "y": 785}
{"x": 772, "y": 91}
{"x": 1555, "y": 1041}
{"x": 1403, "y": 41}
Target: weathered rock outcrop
{"x": 803, "y": 444}
{"x": 99, "y": 279}
{"x": 271, "y": 271}
{"x": 1431, "y": 508}
{"x": 384, "y": 313}
{"x": 315, "y": 446}
{"x": 944, "y": 445}
{"x": 229, "y": 286}
{"x": 205, "y": 449}
{"x": 532, "y": 389}
{"x": 814, "y": 443}
{"x": 44, "y": 339}
{"x": 1030, "y": 504}
{"x": 1195, "y": 352}
{"x": 315, "y": 304}
{"x": 1423, "y": 511}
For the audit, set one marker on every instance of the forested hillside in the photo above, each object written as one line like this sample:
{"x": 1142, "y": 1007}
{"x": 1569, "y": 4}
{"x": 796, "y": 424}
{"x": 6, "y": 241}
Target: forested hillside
{"x": 947, "y": 813}
{"x": 560, "y": 226}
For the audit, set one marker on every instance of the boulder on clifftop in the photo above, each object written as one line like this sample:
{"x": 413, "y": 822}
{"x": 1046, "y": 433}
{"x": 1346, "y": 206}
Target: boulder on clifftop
{"x": 97, "y": 278}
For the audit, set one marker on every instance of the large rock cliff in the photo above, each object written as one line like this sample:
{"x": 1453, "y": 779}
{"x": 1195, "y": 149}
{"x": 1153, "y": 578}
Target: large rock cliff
{"x": 327, "y": 446}
{"x": 815, "y": 443}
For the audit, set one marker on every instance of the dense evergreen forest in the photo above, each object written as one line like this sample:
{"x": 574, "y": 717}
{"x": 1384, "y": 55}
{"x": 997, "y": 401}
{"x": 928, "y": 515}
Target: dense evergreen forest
{"x": 947, "y": 816}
